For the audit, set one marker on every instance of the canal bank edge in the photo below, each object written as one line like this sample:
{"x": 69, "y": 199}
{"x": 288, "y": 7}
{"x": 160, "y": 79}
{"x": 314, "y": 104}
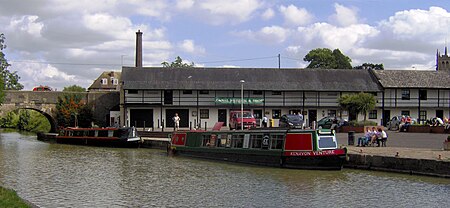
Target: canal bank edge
{"x": 412, "y": 166}
{"x": 16, "y": 199}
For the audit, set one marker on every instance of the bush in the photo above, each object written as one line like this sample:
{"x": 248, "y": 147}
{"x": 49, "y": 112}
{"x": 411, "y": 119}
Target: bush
{"x": 362, "y": 123}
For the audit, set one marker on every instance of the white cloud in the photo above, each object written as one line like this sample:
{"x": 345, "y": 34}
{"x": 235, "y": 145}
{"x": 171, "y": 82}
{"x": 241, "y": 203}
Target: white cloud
{"x": 233, "y": 12}
{"x": 294, "y": 16}
{"x": 268, "y": 14}
{"x": 184, "y": 4}
{"x": 190, "y": 47}
{"x": 267, "y": 35}
{"x": 344, "y": 16}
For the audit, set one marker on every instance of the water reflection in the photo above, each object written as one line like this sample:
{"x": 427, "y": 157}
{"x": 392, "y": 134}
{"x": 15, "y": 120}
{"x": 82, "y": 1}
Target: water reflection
{"x": 53, "y": 175}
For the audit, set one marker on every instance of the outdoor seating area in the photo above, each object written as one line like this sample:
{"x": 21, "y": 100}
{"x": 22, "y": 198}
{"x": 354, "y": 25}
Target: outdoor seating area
{"x": 374, "y": 136}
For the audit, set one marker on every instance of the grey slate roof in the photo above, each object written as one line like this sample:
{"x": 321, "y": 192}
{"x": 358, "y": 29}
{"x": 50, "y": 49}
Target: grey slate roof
{"x": 255, "y": 79}
{"x": 413, "y": 79}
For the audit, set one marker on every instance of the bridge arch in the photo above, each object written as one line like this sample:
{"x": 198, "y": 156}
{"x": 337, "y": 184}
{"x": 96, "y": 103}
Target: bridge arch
{"x": 51, "y": 120}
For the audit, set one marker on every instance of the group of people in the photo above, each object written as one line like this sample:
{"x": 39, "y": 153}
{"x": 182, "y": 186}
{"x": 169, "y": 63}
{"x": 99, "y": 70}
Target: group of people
{"x": 372, "y": 136}
{"x": 405, "y": 122}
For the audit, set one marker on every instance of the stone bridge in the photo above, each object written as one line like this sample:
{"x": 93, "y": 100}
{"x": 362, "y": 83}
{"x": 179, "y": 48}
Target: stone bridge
{"x": 45, "y": 102}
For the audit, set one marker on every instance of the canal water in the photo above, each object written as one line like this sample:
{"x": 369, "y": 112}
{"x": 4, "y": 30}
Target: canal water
{"x": 54, "y": 175}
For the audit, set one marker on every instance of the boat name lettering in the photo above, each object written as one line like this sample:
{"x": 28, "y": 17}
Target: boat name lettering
{"x": 313, "y": 153}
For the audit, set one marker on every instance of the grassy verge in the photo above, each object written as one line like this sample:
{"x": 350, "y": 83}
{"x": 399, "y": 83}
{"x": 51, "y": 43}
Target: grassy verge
{"x": 9, "y": 198}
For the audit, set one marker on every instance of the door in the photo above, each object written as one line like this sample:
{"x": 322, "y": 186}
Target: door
{"x": 440, "y": 114}
{"x": 386, "y": 116}
{"x": 222, "y": 116}
{"x": 312, "y": 116}
{"x": 182, "y": 113}
{"x": 168, "y": 97}
{"x": 141, "y": 117}
{"x": 258, "y": 116}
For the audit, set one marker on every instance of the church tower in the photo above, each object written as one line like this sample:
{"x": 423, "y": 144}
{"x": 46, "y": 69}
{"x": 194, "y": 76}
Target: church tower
{"x": 442, "y": 61}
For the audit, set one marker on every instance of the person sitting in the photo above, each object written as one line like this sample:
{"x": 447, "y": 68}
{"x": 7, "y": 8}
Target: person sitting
{"x": 438, "y": 122}
{"x": 364, "y": 140}
{"x": 382, "y": 138}
{"x": 402, "y": 123}
{"x": 408, "y": 122}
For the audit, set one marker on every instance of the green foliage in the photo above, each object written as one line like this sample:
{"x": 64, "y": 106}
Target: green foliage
{"x": 362, "y": 123}
{"x": 2, "y": 90}
{"x": 9, "y": 198}
{"x": 72, "y": 111}
{"x": 358, "y": 103}
{"x": 324, "y": 58}
{"x": 74, "y": 88}
{"x": 10, "y": 79}
{"x": 26, "y": 120}
{"x": 178, "y": 63}
{"x": 370, "y": 66}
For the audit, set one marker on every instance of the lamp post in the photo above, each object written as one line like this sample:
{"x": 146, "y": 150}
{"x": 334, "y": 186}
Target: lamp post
{"x": 242, "y": 104}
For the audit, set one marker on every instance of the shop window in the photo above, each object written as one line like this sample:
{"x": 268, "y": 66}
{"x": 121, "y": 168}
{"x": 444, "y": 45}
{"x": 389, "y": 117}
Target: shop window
{"x": 132, "y": 92}
{"x": 332, "y": 113}
{"x": 405, "y": 94}
{"x": 257, "y": 92}
{"x": 204, "y": 113}
{"x": 373, "y": 114}
{"x": 276, "y": 114}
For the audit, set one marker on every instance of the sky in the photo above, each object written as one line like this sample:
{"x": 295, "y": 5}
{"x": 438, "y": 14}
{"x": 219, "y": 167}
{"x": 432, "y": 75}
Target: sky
{"x": 60, "y": 43}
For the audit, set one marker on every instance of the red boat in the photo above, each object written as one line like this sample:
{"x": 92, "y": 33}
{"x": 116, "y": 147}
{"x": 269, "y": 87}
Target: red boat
{"x": 287, "y": 148}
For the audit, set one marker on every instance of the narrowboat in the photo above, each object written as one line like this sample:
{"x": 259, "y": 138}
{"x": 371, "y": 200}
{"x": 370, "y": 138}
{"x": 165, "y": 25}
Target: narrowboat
{"x": 287, "y": 148}
{"x": 110, "y": 136}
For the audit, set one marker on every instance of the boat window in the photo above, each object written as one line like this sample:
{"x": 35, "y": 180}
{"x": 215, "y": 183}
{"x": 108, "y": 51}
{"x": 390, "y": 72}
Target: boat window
{"x": 237, "y": 141}
{"x": 110, "y": 133}
{"x": 206, "y": 141}
{"x": 221, "y": 140}
{"x": 70, "y": 133}
{"x": 327, "y": 142}
{"x": 276, "y": 141}
{"x": 256, "y": 141}
{"x": 78, "y": 133}
{"x": 102, "y": 133}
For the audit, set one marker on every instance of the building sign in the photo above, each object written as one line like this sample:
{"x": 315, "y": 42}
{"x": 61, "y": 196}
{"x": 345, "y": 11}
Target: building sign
{"x": 247, "y": 101}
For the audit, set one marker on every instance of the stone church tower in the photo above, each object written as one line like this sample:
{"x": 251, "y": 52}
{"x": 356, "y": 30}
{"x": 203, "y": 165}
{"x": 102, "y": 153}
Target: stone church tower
{"x": 442, "y": 61}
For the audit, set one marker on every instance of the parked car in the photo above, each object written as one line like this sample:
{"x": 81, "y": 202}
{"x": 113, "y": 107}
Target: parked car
{"x": 327, "y": 122}
{"x": 291, "y": 121}
{"x": 395, "y": 121}
{"x": 236, "y": 120}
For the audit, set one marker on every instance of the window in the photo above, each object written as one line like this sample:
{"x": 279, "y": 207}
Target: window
{"x": 257, "y": 92}
{"x": 256, "y": 141}
{"x": 115, "y": 82}
{"x": 104, "y": 81}
{"x": 187, "y": 92}
{"x": 204, "y": 113}
{"x": 237, "y": 141}
{"x": 132, "y": 92}
{"x": 332, "y": 113}
{"x": 405, "y": 113}
{"x": 276, "y": 141}
{"x": 204, "y": 92}
{"x": 422, "y": 115}
{"x": 405, "y": 94}
{"x": 276, "y": 114}
{"x": 373, "y": 114}
{"x": 276, "y": 92}
{"x": 422, "y": 94}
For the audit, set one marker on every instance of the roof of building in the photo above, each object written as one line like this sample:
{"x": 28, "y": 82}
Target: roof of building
{"x": 97, "y": 84}
{"x": 350, "y": 80}
{"x": 413, "y": 78}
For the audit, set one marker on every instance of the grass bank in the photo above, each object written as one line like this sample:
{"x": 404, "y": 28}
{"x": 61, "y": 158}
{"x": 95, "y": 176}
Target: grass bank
{"x": 9, "y": 198}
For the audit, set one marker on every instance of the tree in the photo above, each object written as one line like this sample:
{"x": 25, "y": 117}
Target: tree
{"x": 178, "y": 63}
{"x": 324, "y": 58}
{"x": 10, "y": 79}
{"x": 72, "y": 111}
{"x": 370, "y": 66}
{"x": 74, "y": 88}
{"x": 358, "y": 103}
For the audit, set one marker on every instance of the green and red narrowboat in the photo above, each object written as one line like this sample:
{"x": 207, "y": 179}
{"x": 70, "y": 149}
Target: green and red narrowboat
{"x": 287, "y": 148}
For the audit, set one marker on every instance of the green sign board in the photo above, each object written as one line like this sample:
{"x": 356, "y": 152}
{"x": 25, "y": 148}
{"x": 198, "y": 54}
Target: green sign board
{"x": 247, "y": 101}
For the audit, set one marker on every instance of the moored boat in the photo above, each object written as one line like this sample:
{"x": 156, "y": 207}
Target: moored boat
{"x": 287, "y": 148}
{"x": 110, "y": 136}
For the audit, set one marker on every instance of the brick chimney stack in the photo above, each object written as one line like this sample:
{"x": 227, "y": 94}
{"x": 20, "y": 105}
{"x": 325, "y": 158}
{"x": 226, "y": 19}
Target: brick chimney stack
{"x": 138, "y": 49}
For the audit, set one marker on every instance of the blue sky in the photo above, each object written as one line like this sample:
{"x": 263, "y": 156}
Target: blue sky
{"x": 64, "y": 42}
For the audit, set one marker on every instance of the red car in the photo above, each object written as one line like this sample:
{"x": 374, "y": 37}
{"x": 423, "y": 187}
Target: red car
{"x": 236, "y": 120}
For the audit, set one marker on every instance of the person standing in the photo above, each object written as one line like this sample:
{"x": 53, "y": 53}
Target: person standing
{"x": 264, "y": 121}
{"x": 176, "y": 120}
